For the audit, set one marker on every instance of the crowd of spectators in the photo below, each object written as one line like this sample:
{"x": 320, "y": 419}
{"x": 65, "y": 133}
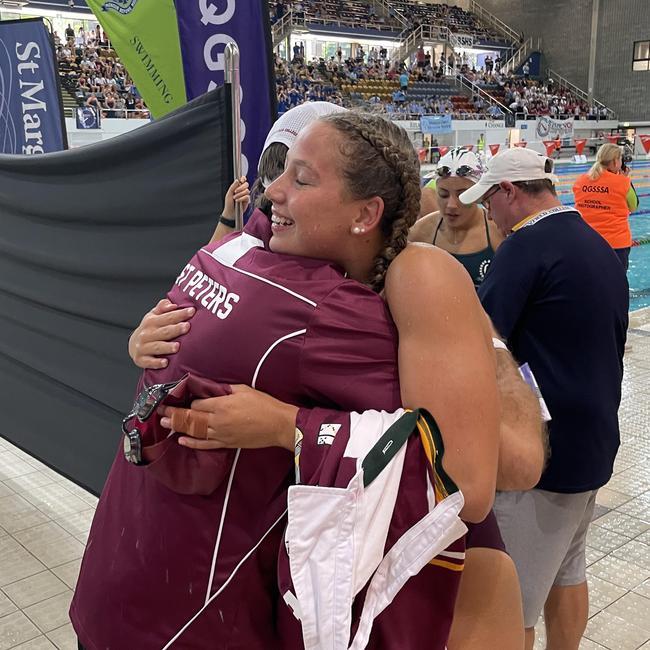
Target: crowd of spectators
{"x": 351, "y": 13}
{"x": 532, "y": 97}
{"x": 455, "y": 18}
{"x": 321, "y": 79}
{"x": 401, "y": 15}
{"x": 91, "y": 71}
{"x": 400, "y": 106}
{"x": 299, "y": 81}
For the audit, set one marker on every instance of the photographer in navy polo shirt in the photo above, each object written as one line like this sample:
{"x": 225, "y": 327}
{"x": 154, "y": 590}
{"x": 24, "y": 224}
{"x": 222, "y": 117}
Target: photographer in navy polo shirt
{"x": 558, "y": 295}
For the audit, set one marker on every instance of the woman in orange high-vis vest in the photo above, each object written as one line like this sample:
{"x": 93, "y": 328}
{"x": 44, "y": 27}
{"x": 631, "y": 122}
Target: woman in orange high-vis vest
{"x": 605, "y": 197}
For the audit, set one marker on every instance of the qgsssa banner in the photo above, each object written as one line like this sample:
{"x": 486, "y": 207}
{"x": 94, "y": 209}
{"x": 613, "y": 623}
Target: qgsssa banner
{"x": 31, "y": 118}
{"x": 205, "y": 28}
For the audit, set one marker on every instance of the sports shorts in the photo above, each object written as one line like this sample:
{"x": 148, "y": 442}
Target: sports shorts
{"x": 545, "y": 534}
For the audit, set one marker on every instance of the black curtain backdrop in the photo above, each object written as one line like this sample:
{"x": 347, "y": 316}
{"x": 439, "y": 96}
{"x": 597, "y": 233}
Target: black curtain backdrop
{"x": 91, "y": 239}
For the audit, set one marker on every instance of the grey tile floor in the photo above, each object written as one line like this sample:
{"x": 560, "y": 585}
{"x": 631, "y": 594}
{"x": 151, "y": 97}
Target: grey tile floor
{"x": 44, "y": 522}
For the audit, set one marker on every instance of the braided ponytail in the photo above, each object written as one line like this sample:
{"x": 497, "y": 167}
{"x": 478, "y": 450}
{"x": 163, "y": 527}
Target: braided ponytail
{"x": 385, "y": 165}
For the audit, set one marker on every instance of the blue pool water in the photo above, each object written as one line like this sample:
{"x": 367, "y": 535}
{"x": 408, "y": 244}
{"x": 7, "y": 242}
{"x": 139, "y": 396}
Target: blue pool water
{"x": 639, "y": 271}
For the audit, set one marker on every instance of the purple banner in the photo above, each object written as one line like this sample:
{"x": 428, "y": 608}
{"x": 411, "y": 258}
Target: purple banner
{"x": 31, "y": 119}
{"x": 205, "y": 28}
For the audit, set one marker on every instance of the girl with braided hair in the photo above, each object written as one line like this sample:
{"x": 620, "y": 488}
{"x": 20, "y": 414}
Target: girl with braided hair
{"x": 380, "y": 167}
{"x": 349, "y": 194}
{"x": 184, "y": 544}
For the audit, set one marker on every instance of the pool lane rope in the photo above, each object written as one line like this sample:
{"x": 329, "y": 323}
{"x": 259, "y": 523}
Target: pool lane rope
{"x": 641, "y": 241}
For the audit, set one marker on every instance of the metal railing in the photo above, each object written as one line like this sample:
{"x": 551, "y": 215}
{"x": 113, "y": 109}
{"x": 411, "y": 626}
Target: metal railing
{"x": 456, "y": 115}
{"x": 116, "y": 113}
{"x": 422, "y": 34}
{"x": 474, "y": 88}
{"x": 564, "y": 83}
{"x": 232, "y": 79}
{"x": 346, "y": 22}
{"x": 522, "y": 117}
{"x": 392, "y": 12}
{"x": 528, "y": 46}
{"x": 494, "y": 22}
{"x": 283, "y": 27}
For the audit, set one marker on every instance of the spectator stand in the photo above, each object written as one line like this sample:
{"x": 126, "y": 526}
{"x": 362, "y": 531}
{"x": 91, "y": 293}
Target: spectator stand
{"x": 529, "y": 98}
{"x": 456, "y": 19}
{"x": 497, "y": 26}
{"x": 298, "y": 82}
{"x": 596, "y": 107}
{"x": 485, "y": 104}
{"x": 433, "y": 96}
{"x": 389, "y": 9}
{"x": 447, "y": 28}
{"x": 349, "y": 18}
{"x": 468, "y": 98}
{"x": 91, "y": 74}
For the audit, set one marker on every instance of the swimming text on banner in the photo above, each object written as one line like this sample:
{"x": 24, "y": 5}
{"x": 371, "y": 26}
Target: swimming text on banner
{"x": 145, "y": 36}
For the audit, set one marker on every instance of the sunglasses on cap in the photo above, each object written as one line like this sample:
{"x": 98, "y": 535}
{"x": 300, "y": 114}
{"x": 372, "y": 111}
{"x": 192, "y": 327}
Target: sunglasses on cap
{"x": 461, "y": 171}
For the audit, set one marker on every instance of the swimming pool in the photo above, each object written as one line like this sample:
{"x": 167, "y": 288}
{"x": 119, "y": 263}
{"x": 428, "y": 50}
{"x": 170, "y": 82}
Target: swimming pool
{"x": 639, "y": 271}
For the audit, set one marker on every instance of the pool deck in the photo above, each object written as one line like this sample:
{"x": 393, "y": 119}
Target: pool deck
{"x": 640, "y": 319}
{"x": 618, "y": 543}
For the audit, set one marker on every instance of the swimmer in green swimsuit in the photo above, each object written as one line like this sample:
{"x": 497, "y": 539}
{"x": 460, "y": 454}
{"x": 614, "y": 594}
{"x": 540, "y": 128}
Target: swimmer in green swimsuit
{"x": 463, "y": 231}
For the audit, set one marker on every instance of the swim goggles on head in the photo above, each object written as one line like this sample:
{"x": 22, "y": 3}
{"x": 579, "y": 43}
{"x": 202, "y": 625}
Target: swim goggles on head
{"x": 463, "y": 170}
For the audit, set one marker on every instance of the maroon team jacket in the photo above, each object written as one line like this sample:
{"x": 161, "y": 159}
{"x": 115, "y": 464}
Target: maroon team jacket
{"x": 183, "y": 551}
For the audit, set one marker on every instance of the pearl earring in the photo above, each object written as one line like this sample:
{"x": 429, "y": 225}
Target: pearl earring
{"x": 356, "y": 230}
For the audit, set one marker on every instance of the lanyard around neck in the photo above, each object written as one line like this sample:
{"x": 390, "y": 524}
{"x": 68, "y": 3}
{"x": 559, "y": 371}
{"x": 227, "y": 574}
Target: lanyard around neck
{"x": 538, "y": 216}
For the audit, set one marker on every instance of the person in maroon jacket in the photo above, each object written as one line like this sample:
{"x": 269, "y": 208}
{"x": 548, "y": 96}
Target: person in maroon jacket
{"x": 183, "y": 548}
{"x": 488, "y": 608}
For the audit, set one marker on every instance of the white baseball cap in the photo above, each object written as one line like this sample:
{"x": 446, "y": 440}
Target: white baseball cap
{"x": 512, "y": 165}
{"x": 288, "y": 126}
